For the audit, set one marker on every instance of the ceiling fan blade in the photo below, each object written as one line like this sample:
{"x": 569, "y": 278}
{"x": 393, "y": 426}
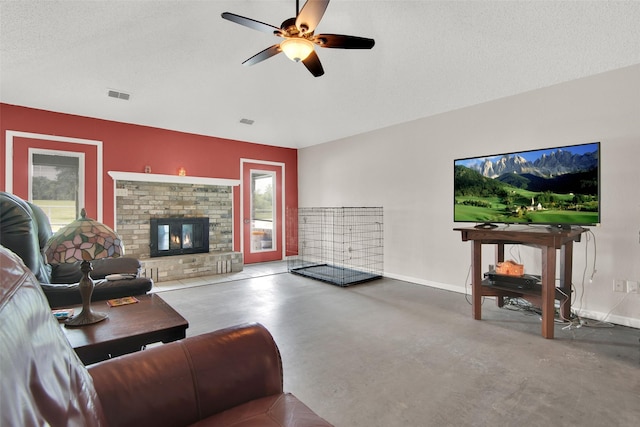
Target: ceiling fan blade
{"x": 313, "y": 64}
{"x": 340, "y": 41}
{"x": 265, "y": 54}
{"x": 252, "y": 23}
{"x": 310, "y": 15}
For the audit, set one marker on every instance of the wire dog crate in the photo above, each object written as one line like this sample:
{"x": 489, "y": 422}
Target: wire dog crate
{"x": 342, "y": 246}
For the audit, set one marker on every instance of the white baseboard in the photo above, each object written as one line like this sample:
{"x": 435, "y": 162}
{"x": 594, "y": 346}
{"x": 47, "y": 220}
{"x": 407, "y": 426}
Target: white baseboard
{"x": 595, "y": 315}
{"x": 612, "y": 318}
{"x": 444, "y": 286}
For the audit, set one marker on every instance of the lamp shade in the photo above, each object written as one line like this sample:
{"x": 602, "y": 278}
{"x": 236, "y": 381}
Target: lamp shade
{"x": 297, "y": 49}
{"x": 83, "y": 240}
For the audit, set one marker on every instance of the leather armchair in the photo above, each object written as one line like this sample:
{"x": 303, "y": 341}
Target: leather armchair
{"x": 230, "y": 377}
{"x": 25, "y": 230}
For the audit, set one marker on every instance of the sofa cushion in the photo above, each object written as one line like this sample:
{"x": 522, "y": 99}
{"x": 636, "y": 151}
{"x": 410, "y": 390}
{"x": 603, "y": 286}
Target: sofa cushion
{"x": 280, "y": 410}
{"x": 228, "y": 377}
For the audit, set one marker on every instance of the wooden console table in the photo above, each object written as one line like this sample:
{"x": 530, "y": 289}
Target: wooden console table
{"x": 548, "y": 240}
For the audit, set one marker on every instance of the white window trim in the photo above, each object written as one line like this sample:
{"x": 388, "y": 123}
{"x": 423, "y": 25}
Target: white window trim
{"x": 10, "y": 134}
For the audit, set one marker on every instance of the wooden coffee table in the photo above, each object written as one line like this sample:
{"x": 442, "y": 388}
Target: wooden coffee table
{"x": 127, "y": 329}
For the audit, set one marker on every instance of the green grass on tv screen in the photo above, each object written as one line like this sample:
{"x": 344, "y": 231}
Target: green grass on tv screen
{"x": 499, "y": 213}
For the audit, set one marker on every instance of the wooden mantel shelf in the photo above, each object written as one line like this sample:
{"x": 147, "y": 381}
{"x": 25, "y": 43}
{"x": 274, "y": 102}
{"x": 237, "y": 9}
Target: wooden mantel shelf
{"x": 172, "y": 179}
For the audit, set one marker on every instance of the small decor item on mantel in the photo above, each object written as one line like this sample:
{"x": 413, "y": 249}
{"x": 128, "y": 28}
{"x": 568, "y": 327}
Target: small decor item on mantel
{"x": 84, "y": 240}
{"x": 147, "y": 169}
{"x": 182, "y": 171}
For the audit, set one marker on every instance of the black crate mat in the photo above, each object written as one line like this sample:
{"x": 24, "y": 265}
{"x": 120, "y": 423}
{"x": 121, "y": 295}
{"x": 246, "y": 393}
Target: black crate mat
{"x": 340, "y": 276}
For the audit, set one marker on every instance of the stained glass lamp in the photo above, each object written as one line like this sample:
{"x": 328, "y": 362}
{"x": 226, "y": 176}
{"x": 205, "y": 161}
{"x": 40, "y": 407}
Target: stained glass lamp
{"x": 84, "y": 240}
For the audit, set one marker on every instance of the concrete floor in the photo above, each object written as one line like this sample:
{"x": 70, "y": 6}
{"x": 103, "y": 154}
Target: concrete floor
{"x": 390, "y": 353}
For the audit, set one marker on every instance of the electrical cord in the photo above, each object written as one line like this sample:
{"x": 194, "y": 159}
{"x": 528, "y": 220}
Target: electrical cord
{"x": 595, "y": 253}
{"x": 590, "y": 237}
{"x": 521, "y": 304}
{"x": 603, "y": 323}
{"x": 466, "y": 287}
{"x": 516, "y": 257}
{"x": 575, "y": 320}
{"x": 584, "y": 274}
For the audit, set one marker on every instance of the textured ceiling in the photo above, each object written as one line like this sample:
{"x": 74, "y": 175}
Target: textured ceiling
{"x": 181, "y": 62}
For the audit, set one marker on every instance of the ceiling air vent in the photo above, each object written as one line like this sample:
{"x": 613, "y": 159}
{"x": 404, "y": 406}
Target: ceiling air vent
{"x": 119, "y": 95}
{"x": 246, "y": 121}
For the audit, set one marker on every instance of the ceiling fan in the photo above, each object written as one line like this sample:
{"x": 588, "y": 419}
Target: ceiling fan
{"x": 299, "y": 38}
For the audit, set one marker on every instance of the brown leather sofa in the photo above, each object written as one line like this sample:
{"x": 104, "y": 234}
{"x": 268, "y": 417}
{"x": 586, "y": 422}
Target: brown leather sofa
{"x": 231, "y": 377}
{"x": 25, "y": 229}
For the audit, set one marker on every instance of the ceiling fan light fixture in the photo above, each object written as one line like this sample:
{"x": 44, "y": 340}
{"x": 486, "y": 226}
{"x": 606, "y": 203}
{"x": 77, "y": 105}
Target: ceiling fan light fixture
{"x": 297, "y": 48}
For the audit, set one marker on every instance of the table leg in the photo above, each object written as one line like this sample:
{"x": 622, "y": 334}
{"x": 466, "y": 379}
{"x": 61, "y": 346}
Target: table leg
{"x": 548, "y": 290}
{"x": 566, "y": 261}
{"x": 499, "y": 258}
{"x": 476, "y": 279}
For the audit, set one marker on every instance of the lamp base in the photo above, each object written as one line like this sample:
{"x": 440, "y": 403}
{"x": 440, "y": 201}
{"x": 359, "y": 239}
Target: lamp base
{"x": 86, "y": 317}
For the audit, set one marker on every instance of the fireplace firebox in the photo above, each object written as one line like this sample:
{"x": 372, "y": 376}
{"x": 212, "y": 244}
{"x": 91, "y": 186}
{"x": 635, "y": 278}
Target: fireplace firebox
{"x": 178, "y": 236}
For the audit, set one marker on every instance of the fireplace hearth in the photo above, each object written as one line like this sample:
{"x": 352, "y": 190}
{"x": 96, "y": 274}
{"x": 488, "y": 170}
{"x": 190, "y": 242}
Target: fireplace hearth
{"x": 178, "y": 236}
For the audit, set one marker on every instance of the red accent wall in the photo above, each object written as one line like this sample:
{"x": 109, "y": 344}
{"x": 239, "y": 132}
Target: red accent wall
{"x": 129, "y": 148}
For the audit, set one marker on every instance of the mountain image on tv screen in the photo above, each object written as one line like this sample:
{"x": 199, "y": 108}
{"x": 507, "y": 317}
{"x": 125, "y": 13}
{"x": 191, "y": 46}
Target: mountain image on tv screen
{"x": 557, "y": 186}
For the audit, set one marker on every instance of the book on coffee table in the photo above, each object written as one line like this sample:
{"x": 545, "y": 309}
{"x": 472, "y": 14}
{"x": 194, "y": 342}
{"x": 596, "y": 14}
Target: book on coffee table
{"x": 122, "y": 301}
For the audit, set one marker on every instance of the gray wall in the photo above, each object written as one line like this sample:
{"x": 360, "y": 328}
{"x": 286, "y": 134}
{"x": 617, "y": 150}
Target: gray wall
{"x": 408, "y": 169}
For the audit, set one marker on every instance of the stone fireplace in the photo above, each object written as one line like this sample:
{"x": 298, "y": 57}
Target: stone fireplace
{"x": 178, "y": 205}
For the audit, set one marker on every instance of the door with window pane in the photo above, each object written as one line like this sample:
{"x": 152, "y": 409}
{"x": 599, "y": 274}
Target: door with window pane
{"x": 262, "y": 212}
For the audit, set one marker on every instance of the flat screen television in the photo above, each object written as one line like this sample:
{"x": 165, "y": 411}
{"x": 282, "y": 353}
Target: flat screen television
{"x": 558, "y": 187}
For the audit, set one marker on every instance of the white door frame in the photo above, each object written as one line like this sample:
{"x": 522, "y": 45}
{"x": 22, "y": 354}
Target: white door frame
{"x": 242, "y": 188}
